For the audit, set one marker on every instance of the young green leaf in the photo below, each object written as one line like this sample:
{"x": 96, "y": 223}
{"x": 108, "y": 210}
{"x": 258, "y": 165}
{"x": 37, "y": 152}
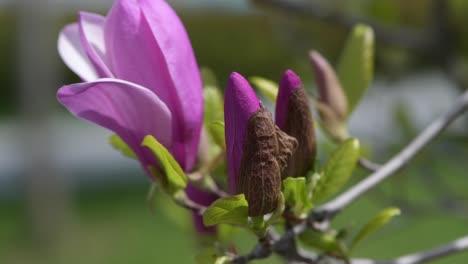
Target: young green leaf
{"x": 337, "y": 170}
{"x": 214, "y": 105}
{"x": 325, "y": 242}
{"x": 296, "y": 195}
{"x": 267, "y": 87}
{"x": 121, "y": 146}
{"x": 217, "y": 132}
{"x": 356, "y": 65}
{"x": 208, "y": 76}
{"x": 223, "y": 260}
{"x": 227, "y": 210}
{"x": 173, "y": 177}
{"x": 278, "y": 211}
{"x": 377, "y": 222}
{"x": 207, "y": 255}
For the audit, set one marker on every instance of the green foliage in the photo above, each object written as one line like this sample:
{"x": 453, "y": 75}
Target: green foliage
{"x": 227, "y": 210}
{"x": 278, "y": 211}
{"x": 173, "y": 178}
{"x": 267, "y": 87}
{"x": 121, "y": 146}
{"x": 208, "y": 77}
{"x": 297, "y": 195}
{"x": 213, "y": 103}
{"x": 356, "y": 65}
{"x": 217, "y": 132}
{"x": 326, "y": 242}
{"x": 206, "y": 256}
{"x": 223, "y": 260}
{"x": 377, "y": 222}
{"x": 337, "y": 170}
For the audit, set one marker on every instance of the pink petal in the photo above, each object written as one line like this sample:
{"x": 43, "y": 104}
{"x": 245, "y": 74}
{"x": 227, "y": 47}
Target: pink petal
{"x": 289, "y": 82}
{"x": 202, "y": 198}
{"x": 129, "y": 110}
{"x": 91, "y": 28}
{"x": 73, "y": 54}
{"x": 147, "y": 44}
{"x": 240, "y": 104}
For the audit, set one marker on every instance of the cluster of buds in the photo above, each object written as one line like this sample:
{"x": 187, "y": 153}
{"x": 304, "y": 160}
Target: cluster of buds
{"x": 259, "y": 152}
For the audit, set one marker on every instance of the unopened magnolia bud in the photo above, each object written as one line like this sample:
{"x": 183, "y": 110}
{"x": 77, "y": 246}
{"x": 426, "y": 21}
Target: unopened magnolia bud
{"x": 330, "y": 90}
{"x": 266, "y": 150}
{"x": 331, "y": 123}
{"x": 293, "y": 116}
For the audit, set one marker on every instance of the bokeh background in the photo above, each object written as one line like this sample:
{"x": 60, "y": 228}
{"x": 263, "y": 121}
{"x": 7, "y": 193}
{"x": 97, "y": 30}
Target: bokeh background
{"x": 67, "y": 197}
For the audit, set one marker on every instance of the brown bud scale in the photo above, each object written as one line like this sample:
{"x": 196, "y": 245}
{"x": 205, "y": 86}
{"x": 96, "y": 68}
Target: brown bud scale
{"x": 299, "y": 124}
{"x": 260, "y": 169}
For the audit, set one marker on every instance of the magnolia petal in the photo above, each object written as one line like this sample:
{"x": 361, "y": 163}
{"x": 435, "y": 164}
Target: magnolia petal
{"x": 147, "y": 44}
{"x": 129, "y": 110}
{"x": 241, "y": 103}
{"x": 201, "y": 198}
{"x": 91, "y": 28}
{"x": 288, "y": 84}
{"x": 73, "y": 54}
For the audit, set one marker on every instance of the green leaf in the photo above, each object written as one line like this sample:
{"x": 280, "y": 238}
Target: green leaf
{"x": 356, "y": 65}
{"x": 121, "y": 146}
{"x": 214, "y": 105}
{"x": 173, "y": 177}
{"x": 208, "y": 77}
{"x": 278, "y": 212}
{"x": 207, "y": 255}
{"x": 267, "y": 87}
{"x": 296, "y": 195}
{"x": 377, "y": 222}
{"x": 227, "y": 210}
{"x": 223, "y": 260}
{"x": 337, "y": 170}
{"x": 217, "y": 132}
{"x": 325, "y": 242}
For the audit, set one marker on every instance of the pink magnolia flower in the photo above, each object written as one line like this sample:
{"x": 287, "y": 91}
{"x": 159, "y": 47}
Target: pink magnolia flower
{"x": 140, "y": 77}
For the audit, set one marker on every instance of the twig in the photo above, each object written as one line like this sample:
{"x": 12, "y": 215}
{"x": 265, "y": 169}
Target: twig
{"x": 395, "y": 36}
{"x": 329, "y": 209}
{"x": 424, "y": 256}
{"x": 261, "y": 250}
{"x": 202, "y": 178}
{"x": 368, "y": 165}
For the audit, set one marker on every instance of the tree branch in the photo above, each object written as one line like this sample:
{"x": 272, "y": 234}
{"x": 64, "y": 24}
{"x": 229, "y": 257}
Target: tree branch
{"x": 368, "y": 164}
{"x": 424, "y": 256}
{"x": 394, "y": 36}
{"x": 329, "y": 209}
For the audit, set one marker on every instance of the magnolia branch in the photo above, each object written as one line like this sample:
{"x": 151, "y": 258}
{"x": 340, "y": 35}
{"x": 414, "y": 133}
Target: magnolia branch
{"x": 368, "y": 164}
{"x": 424, "y": 256}
{"x": 329, "y": 209}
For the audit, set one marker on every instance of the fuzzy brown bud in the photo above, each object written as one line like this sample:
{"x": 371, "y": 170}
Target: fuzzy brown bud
{"x": 299, "y": 124}
{"x": 266, "y": 151}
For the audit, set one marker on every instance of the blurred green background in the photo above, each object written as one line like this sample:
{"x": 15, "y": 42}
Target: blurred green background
{"x": 78, "y": 201}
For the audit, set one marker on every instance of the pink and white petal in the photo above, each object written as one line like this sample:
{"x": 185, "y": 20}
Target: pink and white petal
{"x": 92, "y": 38}
{"x": 147, "y": 44}
{"x": 73, "y": 55}
{"x": 129, "y": 110}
